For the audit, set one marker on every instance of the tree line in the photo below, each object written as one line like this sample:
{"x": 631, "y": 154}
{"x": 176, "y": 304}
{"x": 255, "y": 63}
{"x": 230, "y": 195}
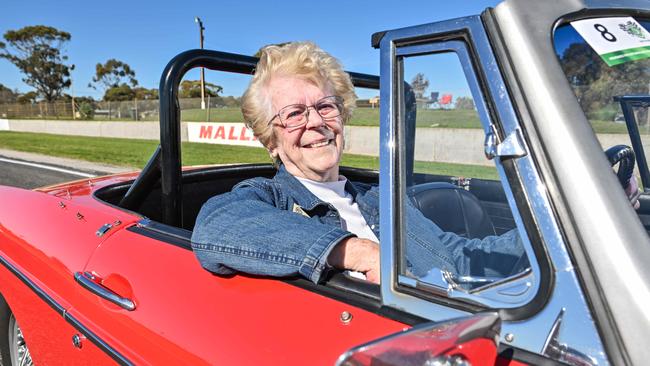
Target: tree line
{"x": 38, "y": 52}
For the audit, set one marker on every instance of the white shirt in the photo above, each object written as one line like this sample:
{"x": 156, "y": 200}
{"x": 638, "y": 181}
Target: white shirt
{"x": 334, "y": 193}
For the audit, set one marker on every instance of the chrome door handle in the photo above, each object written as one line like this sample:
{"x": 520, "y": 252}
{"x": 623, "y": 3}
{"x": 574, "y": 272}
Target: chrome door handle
{"x": 87, "y": 281}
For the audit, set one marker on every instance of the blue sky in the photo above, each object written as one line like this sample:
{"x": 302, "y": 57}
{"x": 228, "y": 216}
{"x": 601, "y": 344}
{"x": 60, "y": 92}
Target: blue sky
{"x": 147, "y": 34}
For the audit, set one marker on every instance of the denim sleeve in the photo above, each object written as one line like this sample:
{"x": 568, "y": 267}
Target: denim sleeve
{"x": 495, "y": 256}
{"x": 429, "y": 246}
{"x": 244, "y": 231}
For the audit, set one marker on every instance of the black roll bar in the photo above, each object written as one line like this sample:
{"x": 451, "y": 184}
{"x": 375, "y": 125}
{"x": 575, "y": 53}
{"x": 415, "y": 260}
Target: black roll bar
{"x": 168, "y": 159}
{"x": 628, "y": 103}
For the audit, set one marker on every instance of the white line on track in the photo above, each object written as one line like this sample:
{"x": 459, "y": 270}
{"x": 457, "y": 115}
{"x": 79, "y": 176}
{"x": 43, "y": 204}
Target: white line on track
{"x": 47, "y": 167}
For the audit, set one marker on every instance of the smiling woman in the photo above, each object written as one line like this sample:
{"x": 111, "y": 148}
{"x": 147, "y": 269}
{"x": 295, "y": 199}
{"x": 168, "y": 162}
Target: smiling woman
{"x": 311, "y": 152}
{"x": 309, "y": 219}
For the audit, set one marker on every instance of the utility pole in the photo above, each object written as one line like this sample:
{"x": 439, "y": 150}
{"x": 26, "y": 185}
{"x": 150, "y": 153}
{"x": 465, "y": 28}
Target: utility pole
{"x": 201, "y": 29}
{"x": 74, "y": 111}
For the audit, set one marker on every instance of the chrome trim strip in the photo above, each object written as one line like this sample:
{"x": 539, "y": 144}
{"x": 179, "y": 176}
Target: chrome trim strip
{"x": 390, "y": 83}
{"x": 111, "y": 352}
{"x": 465, "y": 27}
{"x": 87, "y": 281}
{"x": 564, "y": 290}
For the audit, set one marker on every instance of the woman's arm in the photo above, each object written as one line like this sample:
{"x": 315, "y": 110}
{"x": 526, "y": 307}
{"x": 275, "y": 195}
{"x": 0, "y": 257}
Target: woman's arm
{"x": 243, "y": 230}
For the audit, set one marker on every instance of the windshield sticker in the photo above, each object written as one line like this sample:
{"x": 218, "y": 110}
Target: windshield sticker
{"x": 616, "y": 40}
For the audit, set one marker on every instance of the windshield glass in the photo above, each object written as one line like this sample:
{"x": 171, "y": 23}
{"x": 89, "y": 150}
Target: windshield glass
{"x": 605, "y": 59}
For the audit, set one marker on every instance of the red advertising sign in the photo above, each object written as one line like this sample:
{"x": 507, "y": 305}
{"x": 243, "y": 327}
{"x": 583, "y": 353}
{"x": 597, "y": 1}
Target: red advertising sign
{"x": 221, "y": 133}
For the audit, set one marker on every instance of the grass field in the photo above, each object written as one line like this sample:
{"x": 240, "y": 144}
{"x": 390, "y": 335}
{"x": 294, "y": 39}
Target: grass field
{"x": 362, "y": 117}
{"x": 136, "y": 153}
{"x": 430, "y": 118}
{"x": 434, "y": 118}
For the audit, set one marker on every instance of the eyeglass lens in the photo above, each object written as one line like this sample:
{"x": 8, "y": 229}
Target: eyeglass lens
{"x": 296, "y": 114}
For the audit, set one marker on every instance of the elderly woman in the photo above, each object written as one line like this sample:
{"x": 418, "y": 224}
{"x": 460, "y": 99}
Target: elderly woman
{"x": 308, "y": 218}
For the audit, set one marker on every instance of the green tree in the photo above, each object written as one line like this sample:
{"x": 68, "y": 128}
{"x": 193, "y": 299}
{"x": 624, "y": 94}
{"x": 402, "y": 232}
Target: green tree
{"x": 231, "y": 101}
{"x": 419, "y": 83}
{"x": 145, "y": 94}
{"x": 112, "y": 74}
{"x": 37, "y": 52}
{"x": 464, "y": 103}
{"x": 596, "y": 84}
{"x": 7, "y": 95}
{"x": 27, "y": 98}
{"x": 85, "y": 107}
{"x": 192, "y": 89}
{"x": 119, "y": 93}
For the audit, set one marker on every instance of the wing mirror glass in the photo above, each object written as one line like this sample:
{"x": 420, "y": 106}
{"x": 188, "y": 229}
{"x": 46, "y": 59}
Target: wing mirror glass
{"x": 464, "y": 341}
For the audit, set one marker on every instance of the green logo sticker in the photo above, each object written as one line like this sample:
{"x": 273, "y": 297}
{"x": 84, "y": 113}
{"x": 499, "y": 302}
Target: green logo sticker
{"x": 633, "y": 29}
{"x": 617, "y": 39}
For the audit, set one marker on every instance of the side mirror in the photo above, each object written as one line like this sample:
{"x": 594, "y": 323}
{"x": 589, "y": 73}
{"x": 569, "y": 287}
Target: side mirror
{"x": 464, "y": 341}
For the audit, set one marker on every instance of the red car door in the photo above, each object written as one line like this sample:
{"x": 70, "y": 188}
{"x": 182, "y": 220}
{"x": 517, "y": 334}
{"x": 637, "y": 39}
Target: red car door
{"x": 185, "y": 315}
{"x": 43, "y": 237}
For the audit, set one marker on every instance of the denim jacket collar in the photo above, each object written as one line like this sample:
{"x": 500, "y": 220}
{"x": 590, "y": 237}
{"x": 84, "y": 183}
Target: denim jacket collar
{"x": 301, "y": 194}
{"x": 293, "y": 188}
{"x": 308, "y": 201}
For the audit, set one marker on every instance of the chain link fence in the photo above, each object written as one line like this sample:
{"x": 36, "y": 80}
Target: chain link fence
{"x": 134, "y": 110}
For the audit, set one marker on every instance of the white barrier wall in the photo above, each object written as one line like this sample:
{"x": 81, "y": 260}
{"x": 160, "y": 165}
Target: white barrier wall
{"x": 464, "y": 146}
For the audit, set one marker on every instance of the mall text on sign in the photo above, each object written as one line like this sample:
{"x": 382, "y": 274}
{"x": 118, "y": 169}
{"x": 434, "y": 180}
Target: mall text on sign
{"x": 221, "y": 133}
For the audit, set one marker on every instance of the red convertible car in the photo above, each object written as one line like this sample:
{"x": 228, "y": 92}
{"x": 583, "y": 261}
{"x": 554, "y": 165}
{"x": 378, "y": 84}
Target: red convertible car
{"x": 101, "y": 271}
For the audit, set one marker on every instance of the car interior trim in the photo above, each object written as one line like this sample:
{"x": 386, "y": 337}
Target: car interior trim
{"x": 627, "y": 105}
{"x": 507, "y": 352}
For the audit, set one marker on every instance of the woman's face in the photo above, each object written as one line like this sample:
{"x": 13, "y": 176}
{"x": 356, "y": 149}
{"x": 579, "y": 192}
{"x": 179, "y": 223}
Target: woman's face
{"x": 314, "y": 150}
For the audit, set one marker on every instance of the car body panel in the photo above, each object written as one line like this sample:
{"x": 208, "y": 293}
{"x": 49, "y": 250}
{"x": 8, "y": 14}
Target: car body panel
{"x": 186, "y": 315}
{"x": 55, "y": 236}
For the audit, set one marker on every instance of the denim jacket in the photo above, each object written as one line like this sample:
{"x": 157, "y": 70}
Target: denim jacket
{"x": 277, "y": 227}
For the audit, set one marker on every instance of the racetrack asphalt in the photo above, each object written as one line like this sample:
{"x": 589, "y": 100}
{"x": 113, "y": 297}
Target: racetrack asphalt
{"x": 28, "y": 170}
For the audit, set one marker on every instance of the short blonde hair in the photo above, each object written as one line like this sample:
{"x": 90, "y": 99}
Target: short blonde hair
{"x": 301, "y": 59}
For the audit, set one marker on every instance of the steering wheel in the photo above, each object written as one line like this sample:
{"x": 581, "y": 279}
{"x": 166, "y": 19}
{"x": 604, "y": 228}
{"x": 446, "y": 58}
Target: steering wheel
{"x": 624, "y": 156}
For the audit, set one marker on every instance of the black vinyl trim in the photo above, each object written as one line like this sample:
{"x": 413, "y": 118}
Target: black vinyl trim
{"x": 32, "y": 286}
{"x": 162, "y": 232}
{"x": 507, "y": 352}
{"x": 376, "y": 38}
{"x": 112, "y": 353}
{"x": 117, "y": 357}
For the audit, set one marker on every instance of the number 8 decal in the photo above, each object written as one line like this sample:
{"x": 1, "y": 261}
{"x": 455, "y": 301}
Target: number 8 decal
{"x": 605, "y": 33}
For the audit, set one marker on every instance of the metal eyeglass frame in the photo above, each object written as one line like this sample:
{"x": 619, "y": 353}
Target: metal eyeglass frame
{"x": 338, "y": 101}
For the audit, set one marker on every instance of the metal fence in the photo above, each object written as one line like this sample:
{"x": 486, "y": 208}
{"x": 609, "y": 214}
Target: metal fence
{"x": 133, "y": 110}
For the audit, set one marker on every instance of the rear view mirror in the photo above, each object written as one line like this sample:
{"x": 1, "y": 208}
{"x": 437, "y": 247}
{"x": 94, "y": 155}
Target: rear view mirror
{"x": 463, "y": 341}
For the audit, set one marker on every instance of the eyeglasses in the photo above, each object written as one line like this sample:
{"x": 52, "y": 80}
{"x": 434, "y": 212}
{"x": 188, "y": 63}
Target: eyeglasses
{"x": 296, "y": 115}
